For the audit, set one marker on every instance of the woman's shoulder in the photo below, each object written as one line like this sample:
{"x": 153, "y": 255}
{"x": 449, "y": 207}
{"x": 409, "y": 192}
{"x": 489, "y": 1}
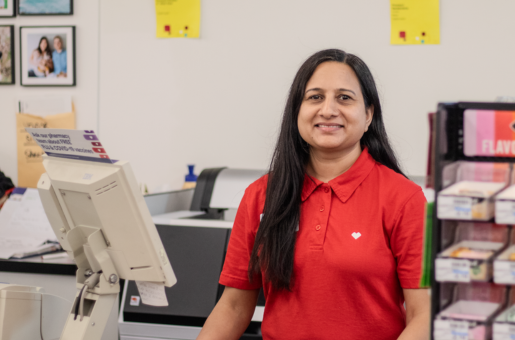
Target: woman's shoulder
{"x": 255, "y": 194}
{"x": 252, "y": 204}
{"x": 257, "y": 188}
{"x": 395, "y": 182}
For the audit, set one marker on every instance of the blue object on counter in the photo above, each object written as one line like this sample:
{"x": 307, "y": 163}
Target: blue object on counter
{"x": 191, "y": 177}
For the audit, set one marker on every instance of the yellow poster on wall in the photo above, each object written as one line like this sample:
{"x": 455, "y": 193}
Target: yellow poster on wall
{"x": 177, "y": 18}
{"x": 415, "y": 22}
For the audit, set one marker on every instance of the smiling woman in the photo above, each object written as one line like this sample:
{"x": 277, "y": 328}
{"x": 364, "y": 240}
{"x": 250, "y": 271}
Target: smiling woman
{"x": 333, "y": 116}
{"x": 334, "y": 232}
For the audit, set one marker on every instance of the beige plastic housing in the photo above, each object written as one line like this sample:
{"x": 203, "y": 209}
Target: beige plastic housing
{"x": 100, "y": 217}
{"x": 28, "y": 313}
{"x": 105, "y": 197}
{"x": 20, "y": 312}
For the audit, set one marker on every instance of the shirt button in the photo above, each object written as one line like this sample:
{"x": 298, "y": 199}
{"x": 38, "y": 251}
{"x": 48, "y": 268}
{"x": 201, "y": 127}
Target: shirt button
{"x": 326, "y": 189}
{"x": 318, "y": 227}
{"x": 322, "y": 208}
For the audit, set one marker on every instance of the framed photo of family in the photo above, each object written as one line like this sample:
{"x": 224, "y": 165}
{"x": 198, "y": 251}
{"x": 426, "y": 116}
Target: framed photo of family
{"x": 6, "y": 55}
{"x": 47, "y": 56}
{"x": 45, "y": 7}
{"x": 7, "y": 8}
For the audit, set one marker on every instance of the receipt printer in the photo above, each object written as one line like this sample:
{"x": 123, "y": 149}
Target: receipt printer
{"x": 195, "y": 240}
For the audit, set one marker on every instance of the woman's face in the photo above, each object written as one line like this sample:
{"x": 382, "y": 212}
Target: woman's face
{"x": 43, "y": 45}
{"x": 332, "y": 116}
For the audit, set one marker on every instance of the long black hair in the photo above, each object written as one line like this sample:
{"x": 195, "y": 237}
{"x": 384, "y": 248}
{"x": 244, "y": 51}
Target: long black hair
{"x": 275, "y": 240}
{"x": 48, "y": 50}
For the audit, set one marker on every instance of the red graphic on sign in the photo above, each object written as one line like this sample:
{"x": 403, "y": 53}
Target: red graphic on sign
{"x": 96, "y": 143}
{"x": 402, "y": 35}
{"x": 99, "y": 150}
{"x": 104, "y": 156}
{"x": 168, "y": 29}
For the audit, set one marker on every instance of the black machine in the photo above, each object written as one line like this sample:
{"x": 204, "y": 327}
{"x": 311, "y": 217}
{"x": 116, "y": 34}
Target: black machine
{"x": 196, "y": 247}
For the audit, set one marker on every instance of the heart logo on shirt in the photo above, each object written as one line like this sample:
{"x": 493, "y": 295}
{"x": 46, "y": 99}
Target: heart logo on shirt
{"x": 356, "y": 235}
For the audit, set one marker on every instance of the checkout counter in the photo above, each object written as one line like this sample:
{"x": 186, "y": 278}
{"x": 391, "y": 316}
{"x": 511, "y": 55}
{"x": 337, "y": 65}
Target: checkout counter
{"x": 56, "y": 277}
{"x": 195, "y": 240}
{"x": 195, "y": 227}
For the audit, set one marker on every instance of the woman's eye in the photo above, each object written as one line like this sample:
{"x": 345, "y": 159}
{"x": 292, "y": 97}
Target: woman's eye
{"x": 344, "y": 97}
{"x": 315, "y": 97}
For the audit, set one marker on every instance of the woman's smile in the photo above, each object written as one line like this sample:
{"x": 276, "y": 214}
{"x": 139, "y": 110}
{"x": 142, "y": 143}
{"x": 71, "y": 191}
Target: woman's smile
{"x": 328, "y": 127}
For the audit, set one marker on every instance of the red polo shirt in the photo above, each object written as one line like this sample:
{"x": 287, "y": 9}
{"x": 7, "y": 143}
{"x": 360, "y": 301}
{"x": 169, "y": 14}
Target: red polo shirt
{"x": 359, "y": 244}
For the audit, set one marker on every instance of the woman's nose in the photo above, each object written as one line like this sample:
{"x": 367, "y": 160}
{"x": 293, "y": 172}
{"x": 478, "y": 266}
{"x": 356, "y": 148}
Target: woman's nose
{"x": 329, "y": 108}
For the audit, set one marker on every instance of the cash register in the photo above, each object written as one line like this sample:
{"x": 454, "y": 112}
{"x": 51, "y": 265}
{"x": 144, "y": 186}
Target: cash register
{"x": 195, "y": 240}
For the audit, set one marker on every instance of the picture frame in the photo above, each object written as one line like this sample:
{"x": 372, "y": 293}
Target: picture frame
{"x": 47, "y": 56}
{"x": 7, "y": 8}
{"x": 44, "y": 7}
{"x": 7, "y": 55}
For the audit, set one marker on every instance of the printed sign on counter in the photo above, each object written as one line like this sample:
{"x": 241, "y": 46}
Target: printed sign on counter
{"x": 75, "y": 144}
{"x": 451, "y": 330}
{"x": 452, "y": 270}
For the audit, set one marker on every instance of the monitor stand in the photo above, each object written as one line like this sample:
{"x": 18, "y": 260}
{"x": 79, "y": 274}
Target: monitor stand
{"x": 98, "y": 283}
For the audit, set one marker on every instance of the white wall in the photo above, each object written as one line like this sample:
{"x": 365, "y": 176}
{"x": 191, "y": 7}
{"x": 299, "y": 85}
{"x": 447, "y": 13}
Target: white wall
{"x": 217, "y": 100}
{"x": 85, "y": 94}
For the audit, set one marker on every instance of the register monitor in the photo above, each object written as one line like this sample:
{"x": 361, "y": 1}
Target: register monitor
{"x": 100, "y": 217}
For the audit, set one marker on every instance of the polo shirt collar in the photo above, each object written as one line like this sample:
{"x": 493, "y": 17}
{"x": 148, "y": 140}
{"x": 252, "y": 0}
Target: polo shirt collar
{"x": 345, "y": 184}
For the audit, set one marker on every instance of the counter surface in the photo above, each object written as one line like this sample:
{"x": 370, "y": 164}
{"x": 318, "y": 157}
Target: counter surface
{"x": 37, "y": 265}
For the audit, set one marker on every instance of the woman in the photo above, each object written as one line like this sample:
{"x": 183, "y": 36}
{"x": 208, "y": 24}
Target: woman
{"x": 40, "y": 62}
{"x": 334, "y": 233}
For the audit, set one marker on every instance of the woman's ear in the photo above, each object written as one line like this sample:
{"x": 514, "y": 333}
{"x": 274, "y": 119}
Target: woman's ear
{"x": 370, "y": 115}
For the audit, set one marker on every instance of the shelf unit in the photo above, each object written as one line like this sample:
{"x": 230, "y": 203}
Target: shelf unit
{"x": 449, "y": 148}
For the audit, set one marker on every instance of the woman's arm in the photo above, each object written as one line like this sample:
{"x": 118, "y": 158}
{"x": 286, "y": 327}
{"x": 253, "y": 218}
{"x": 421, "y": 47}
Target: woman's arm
{"x": 231, "y": 315}
{"x": 418, "y": 314}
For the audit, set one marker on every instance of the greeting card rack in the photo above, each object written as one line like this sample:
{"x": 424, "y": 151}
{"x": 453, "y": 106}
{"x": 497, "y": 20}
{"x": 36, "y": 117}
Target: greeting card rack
{"x": 454, "y": 299}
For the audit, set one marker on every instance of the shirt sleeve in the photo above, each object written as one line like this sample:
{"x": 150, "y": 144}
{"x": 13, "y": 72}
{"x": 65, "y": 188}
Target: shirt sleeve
{"x": 241, "y": 243}
{"x": 407, "y": 240}
{"x": 64, "y": 62}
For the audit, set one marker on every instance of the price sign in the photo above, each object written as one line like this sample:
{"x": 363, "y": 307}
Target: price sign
{"x": 452, "y": 270}
{"x": 451, "y": 330}
{"x": 504, "y": 272}
{"x": 505, "y": 212}
{"x": 455, "y": 207}
{"x": 504, "y": 331}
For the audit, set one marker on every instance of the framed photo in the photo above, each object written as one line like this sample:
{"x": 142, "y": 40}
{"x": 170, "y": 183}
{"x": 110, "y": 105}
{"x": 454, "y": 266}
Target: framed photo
{"x": 7, "y": 8}
{"x": 47, "y": 56}
{"x": 6, "y": 55}
{"x": 45, "y": 7}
